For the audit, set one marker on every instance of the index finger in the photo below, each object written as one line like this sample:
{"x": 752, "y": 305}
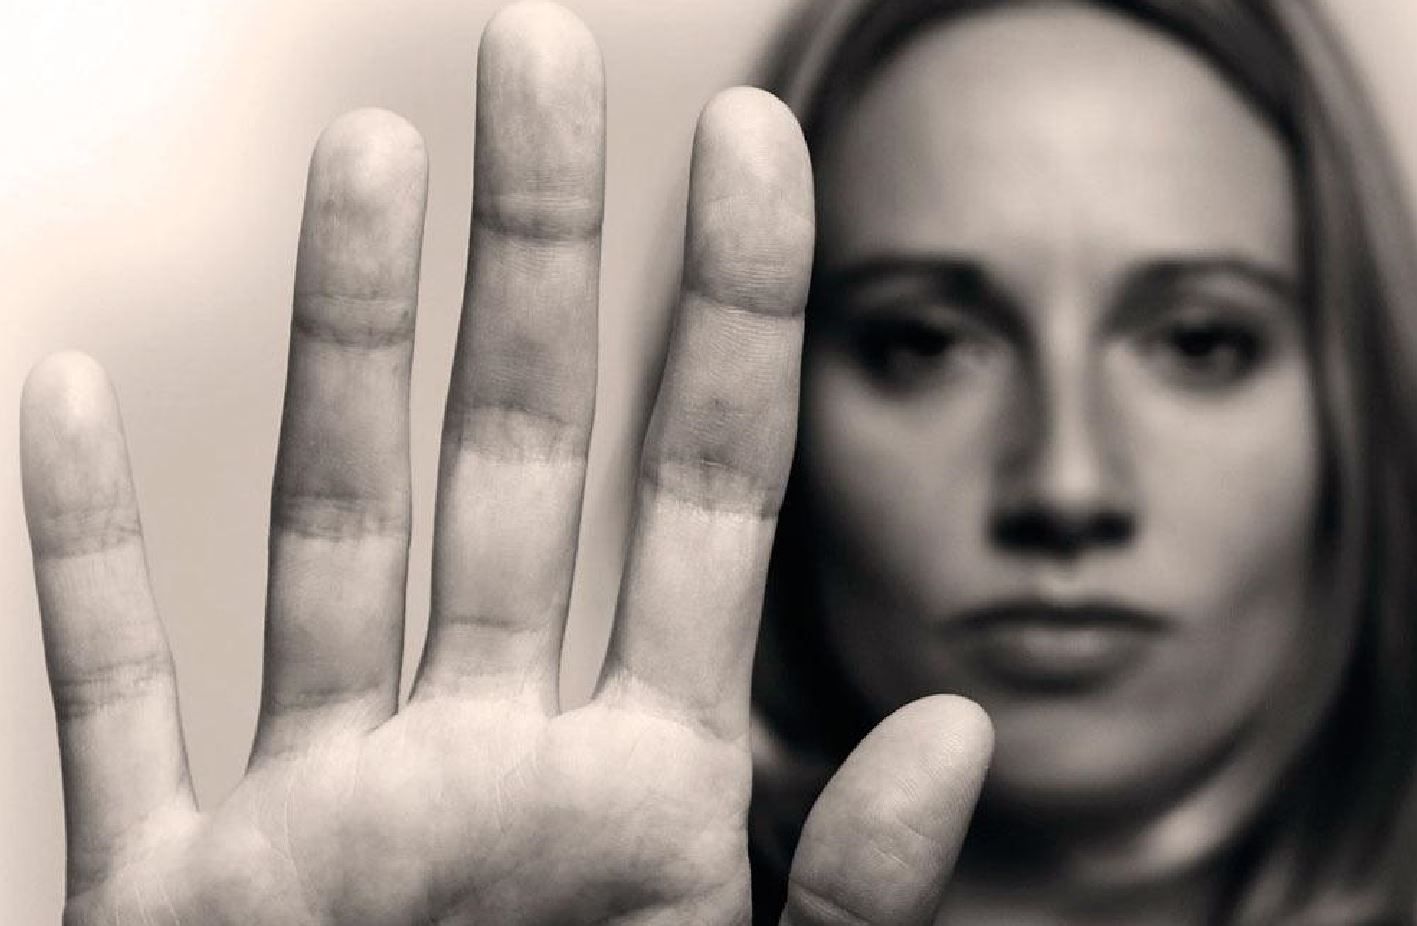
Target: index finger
{"x": 720, "y": 442}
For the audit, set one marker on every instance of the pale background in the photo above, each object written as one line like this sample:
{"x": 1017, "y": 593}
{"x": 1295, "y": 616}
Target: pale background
{"x": 151, "y": 169}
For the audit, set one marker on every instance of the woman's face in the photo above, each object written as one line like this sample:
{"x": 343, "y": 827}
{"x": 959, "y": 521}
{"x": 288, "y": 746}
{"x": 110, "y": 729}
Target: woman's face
{"x": 1059, "y": 431}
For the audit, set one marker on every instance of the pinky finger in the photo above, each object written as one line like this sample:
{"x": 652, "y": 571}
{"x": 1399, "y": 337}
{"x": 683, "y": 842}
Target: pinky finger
{"x": 110, "y": 671}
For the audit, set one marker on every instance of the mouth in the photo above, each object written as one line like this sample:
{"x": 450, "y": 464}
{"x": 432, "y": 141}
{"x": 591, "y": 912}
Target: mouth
{"x": 1039, "y": 646}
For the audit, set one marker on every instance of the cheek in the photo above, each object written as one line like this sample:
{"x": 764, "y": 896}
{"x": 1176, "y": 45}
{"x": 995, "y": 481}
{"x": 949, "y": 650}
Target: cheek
{"x": 1228, "y": 494}
{"x": 898, "y": 487}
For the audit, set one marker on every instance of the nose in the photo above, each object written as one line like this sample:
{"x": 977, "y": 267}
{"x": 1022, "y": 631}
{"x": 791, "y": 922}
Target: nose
{"x": 1062, "y": 488}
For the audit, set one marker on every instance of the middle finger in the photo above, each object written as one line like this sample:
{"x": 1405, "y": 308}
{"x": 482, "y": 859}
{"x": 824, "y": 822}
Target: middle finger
{"x": 518, "y": 418}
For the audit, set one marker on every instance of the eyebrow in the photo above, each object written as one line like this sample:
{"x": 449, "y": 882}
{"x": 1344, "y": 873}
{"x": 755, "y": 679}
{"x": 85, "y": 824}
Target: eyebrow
{"x": 1278, "y": 282}
{"x": 962, "y": 281}
{"x": 970, "y": 287}
{"x": 1171, "y": 273}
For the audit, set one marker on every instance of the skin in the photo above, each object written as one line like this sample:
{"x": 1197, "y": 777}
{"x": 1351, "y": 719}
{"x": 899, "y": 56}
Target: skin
{"x": 479, "y": 801}
{"x": 1130, "y": 379}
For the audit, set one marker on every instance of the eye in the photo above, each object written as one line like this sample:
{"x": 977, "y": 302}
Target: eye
{"x": 902, "y": 353}
{"x": 1206, "y": 352}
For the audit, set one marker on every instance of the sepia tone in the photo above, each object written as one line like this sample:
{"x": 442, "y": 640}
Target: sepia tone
{"x": 152, "y": 209}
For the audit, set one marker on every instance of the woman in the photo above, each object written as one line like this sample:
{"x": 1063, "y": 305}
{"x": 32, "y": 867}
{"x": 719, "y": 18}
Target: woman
{"x": 1107, "y": 424}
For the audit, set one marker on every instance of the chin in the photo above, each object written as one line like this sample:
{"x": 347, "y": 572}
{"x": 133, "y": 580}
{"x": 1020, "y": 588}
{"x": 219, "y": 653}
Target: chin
{"x": 1063, "y": 762}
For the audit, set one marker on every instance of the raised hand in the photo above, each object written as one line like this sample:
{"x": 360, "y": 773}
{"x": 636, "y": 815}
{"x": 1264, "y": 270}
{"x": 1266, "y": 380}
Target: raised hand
{"x": 479, "y": 801}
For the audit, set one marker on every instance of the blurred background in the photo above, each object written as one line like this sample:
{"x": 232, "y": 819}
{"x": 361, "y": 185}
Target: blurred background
{"x": 151, "y": 176}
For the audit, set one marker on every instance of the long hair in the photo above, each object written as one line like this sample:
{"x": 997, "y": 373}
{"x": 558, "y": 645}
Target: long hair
{"x": 1337, "y": 842}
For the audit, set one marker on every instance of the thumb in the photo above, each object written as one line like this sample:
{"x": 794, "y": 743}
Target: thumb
{"x": 881, "y": 840}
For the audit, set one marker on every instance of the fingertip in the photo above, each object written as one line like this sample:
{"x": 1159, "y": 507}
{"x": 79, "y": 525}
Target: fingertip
{"x": 369, "y": 154}
{"x": 539, "y": 155}
{"x": 56, "y": 373}
{"x": 361, "y": 234}
{"x": 73, "y": 459}
{"x": 758, "y": 130}
{"x": 539, "y": 30}
{"x": 934, "y": 740}
{"x": 751, "y": 220}
{"x": 959, "y": 726}
{"x": 373, "y": 122}
{"x": 539, "y": 55}
{"x": 66, "y": 394}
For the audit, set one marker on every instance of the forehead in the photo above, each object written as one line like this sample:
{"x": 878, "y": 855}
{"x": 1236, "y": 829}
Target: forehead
{"x": 1048, "y": 127}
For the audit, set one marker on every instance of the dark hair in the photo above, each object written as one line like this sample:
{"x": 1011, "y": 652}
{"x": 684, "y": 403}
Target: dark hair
{"x": 1337, "y": 842}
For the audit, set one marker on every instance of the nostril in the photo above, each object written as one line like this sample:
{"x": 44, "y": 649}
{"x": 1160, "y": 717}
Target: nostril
{"x": 1059, "y": 532}
{"x": 1113, "y": 528}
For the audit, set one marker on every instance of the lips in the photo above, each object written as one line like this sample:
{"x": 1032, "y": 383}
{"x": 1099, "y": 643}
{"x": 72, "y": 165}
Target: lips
{"x": 1044, "y": 647}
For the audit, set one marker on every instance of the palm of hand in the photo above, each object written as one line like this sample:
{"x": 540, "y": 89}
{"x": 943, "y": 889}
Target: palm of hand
{"x": 479, "y": 801}
{"x": 642, "y": 815}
